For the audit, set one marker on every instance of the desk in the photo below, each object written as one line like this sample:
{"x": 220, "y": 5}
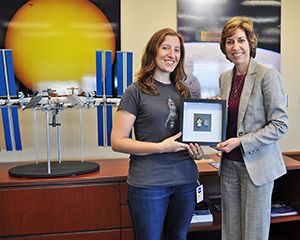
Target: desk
{"x": 85, "y": 207}
{"x": 79, "y": 207}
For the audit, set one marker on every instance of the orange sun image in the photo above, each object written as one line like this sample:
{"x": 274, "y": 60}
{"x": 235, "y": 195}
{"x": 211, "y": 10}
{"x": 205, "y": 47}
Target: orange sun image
{"x": 54, "y": 43}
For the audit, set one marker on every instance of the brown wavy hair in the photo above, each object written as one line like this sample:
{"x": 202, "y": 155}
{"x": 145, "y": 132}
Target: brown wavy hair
{"x": 144, "y": 76}
{"x": 243, "y": 23}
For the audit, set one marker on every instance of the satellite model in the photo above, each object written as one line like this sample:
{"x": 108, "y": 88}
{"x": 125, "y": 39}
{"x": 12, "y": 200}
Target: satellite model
{"x": 52, "y": 104}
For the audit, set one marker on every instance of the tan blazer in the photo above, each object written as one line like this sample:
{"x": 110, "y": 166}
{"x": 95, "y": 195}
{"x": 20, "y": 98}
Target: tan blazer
{"x": 262, "y": 120}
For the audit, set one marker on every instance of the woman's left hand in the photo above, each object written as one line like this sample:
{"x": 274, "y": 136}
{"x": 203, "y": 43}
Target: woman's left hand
{"x": 195, "y": 151}
{"x": 228, "y": 145}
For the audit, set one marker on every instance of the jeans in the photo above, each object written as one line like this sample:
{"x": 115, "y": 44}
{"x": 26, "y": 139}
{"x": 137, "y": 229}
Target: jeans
{"x": 156, "y": 208}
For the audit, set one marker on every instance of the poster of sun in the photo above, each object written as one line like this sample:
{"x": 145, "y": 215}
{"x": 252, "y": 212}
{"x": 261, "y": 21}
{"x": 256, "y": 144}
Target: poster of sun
{"x": 201, "y": 22}
{"x": 54, "y": 42}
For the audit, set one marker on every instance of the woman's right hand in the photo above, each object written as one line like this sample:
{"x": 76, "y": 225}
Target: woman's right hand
{"x": 216, "y": 98}
{"x": 195, "y": 151}
{"x": 171, "y": 145}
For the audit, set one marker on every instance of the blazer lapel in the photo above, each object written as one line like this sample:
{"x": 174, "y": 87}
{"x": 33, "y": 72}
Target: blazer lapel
{"x": 227, "y": 84}
{"x": 246, "y": 92}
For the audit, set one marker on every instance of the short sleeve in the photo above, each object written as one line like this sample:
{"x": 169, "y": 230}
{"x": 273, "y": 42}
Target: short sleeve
{"x": 130, "y": 99}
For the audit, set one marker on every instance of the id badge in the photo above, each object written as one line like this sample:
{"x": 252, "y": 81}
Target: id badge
{"x": 199, "y": 194}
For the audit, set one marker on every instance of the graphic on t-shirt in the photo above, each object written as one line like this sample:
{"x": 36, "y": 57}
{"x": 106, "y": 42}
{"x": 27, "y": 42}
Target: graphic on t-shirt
{"x": 202, "y": 122}
{"x": 171, "y": 119}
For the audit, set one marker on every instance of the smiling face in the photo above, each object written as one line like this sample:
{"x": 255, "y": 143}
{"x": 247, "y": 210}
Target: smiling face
{"x": 238, "y": 49}
{"x": 168, "y": 55}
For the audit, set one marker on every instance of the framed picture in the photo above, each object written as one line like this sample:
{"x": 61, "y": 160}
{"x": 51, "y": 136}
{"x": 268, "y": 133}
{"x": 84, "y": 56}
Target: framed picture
{"x": 201, "y": 22}
{"x": 203, "y": 121}
{"x": 61, "y": 39}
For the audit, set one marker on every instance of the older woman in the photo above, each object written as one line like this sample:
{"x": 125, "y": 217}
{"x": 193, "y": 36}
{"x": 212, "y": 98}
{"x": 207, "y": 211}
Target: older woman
{"x": 257, "y": 119}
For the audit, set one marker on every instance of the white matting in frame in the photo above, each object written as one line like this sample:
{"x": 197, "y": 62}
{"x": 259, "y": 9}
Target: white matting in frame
{"x": 203, "y": 121}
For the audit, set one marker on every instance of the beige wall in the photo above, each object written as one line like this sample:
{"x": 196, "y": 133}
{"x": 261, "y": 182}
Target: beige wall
{"x": 290, "y": 64}
{"x": 139, "y": 20}
{"x": 138, "y": 26}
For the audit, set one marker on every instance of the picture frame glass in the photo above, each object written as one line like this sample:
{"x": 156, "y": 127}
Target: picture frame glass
{"x": 203, "y": 121}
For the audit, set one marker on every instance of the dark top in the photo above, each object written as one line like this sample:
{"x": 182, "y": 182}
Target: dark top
{"x": 157, "y": 118}
{"x": 233, "y": 109}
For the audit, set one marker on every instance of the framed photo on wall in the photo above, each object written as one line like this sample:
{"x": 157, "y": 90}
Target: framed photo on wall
{"x": 201, "y": 22}
{"x": 203, "y": 121}
{"x": 54, "y": 42}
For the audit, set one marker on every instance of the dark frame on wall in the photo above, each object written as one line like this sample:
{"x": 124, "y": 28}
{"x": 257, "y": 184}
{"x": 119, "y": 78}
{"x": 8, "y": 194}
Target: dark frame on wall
{"x": 69, "y": 24}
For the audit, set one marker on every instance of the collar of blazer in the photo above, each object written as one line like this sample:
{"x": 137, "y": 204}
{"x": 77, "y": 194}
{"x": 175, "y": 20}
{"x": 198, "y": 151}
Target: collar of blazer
{"x": 247, "y": 89}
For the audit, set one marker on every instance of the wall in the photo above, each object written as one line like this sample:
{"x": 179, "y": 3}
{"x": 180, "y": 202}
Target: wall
{"x": 290, "y": 52}
{"x": 158, "y": 14}
{"x": 139, "y": 20}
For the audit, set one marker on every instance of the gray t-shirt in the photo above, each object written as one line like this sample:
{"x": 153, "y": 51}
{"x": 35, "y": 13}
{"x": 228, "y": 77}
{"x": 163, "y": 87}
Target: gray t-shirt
{"x": 157, "y": 118}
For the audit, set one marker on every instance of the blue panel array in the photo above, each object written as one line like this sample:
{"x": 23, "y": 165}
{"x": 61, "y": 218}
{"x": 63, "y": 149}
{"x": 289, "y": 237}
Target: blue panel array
{"x": 104, "y": 115}
{"x": 10, "y": 73}
{"x": 10, "y": 116}
{"x": 3, "y": 92}
{"x": 129, "y": 68}
{"x": 104, "y": 111}
{"x": 108, "y": 123}
{"x": 17, "y": 134}
{"x": 108, "y": 73}
{"x": 120, "y": 73}
{"x": 100, "y": 125}
{"x": 99, "y": 73}
{"x": 6, "y": 128}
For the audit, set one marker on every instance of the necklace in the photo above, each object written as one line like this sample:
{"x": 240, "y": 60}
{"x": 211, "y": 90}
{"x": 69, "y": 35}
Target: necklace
{"x": 238, "y": 82}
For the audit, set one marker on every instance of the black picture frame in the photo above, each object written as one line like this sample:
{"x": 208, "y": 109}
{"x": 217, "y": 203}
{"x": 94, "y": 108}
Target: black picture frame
{"x": 203, "y": 121}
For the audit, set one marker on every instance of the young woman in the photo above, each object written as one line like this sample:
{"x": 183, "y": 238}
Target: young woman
{"x": 162, "y": 174}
